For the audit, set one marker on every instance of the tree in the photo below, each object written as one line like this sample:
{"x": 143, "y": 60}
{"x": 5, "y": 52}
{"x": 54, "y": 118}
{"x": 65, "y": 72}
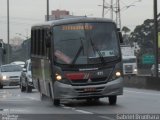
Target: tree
{"x": 125, "y": 35}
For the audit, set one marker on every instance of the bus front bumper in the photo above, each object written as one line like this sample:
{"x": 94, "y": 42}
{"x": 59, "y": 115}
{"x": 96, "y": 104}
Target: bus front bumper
{"x": 65, "y": 91}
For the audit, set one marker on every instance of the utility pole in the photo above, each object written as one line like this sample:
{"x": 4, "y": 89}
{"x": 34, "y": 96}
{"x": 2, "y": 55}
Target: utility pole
{"x": 103, "y": 9}
{"x": 112, "y": 9}
{"x": 108, "y": 7}
{"x": 8, "y": 33}
{"x": 47, "y": 10}
{"x": 118, "y": 14}
{"x": 155, "y": 36}
{"x": 115, "y": 9}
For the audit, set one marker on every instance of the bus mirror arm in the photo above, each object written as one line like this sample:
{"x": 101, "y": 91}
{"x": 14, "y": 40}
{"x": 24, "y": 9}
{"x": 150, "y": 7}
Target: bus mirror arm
{"x": 120, "y": 37}
{"x": 48, "y": 43}
{"x": 48, "y": 39}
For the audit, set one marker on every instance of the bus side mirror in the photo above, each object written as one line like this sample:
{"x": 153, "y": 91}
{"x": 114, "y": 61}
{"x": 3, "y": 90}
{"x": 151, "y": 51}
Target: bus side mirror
{"x": 4, "y": 51}
{"x": 48, "y": 43}
{"x": 120, "y": 37}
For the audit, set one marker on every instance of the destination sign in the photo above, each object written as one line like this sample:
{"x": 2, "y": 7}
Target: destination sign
{"x": 79, "y": 27}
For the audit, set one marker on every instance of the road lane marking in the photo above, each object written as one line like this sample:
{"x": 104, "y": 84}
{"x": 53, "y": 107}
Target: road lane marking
{"x": 65, "y": 107}
{"x": 84, "y": 112}
{"x": 142, "y": 92}
{"x": 108, "y": 118}
{"x": 77, "y": 110}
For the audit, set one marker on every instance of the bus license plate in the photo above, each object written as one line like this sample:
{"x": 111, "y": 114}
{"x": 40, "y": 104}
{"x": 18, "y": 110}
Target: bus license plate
{"x": 89, "y": 89}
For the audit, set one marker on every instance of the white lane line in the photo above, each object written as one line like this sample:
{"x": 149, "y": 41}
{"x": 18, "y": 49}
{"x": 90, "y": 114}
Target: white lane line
{"x": 84, "y": 112}
{"x": 65, "y": 107}
{"x": 141, "y": 92}
{"x": 105, "y": 117}
{"x": 80, "y": 111}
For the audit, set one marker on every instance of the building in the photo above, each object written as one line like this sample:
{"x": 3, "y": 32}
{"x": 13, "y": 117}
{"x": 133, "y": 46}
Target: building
{"x": 60, "y": 14}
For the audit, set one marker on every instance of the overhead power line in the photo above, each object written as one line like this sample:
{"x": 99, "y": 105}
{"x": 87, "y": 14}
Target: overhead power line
{"x": 114, "y": 8}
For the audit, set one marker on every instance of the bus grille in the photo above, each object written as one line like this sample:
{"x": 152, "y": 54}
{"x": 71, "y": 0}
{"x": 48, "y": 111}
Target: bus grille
{"x": 89, "y": 81}
{"x": 128, "y": 68}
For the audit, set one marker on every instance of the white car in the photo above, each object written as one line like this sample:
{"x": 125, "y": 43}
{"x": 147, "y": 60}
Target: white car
{"x": 26, "y": 83}
{"x": 10, "y": 75}
{"x": 21, "y": 63}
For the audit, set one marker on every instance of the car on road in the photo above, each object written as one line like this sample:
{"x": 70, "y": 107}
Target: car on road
{"x": 153, "y": 72}
{"x": 10, "y": 75}
{"x": 21, "y": 63}
{"x": 26, "y": 83}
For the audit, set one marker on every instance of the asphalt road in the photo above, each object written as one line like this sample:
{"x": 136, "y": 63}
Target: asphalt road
{"x": 28, "y": 106}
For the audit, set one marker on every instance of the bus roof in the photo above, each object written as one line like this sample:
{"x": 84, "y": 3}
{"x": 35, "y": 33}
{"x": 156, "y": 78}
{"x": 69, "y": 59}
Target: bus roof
{"x": 72, "y": 20}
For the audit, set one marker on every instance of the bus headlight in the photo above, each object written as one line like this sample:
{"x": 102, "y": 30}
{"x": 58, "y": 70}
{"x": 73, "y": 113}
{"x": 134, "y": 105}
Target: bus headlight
{"x": 61, "y": 79}
{"x": 58, "y": 77}
{"x": 116, "y": 75}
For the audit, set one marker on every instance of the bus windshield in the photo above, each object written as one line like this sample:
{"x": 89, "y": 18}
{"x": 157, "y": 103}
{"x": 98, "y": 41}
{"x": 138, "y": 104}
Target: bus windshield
{"x": 85, "y": 43}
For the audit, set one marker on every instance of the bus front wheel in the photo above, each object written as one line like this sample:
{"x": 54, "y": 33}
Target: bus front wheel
{"x": 28, "y": 89}
{"x": 112, "y": 100}
{"x": 56, "y": 102}
{"x": 43, "y": 96}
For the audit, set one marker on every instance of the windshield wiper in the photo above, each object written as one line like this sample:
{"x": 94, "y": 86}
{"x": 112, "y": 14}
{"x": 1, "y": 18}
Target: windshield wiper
{"x": 97, "y": 50}
{"x": 78, "y": 52}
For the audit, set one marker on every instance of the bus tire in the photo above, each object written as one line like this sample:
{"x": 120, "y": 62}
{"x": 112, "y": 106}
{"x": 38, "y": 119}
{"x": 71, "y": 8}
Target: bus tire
{"x": 42, "y": 96}
{"x": 56, "y": 102}
{"x": 28, "y": 89}
{"x": 112, "y": 100}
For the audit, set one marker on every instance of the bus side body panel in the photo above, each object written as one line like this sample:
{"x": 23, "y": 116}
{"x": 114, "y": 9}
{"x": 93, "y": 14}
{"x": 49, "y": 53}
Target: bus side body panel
{"x": 42, "y": 76}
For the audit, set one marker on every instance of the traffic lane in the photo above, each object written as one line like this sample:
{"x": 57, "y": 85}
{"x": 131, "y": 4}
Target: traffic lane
{"x": 13, "y": 101}
{"x": 28, "y": 106}
{"x": 29, "y": 103}
{"x": 133, "y": 101}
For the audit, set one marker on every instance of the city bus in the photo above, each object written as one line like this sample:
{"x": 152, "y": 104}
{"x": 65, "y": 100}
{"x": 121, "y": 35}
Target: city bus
{"x": 77, "y": 58}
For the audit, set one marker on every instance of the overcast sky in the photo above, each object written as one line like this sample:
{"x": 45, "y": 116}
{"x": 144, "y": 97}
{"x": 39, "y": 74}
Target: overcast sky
{"x": 25, "y": 13}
